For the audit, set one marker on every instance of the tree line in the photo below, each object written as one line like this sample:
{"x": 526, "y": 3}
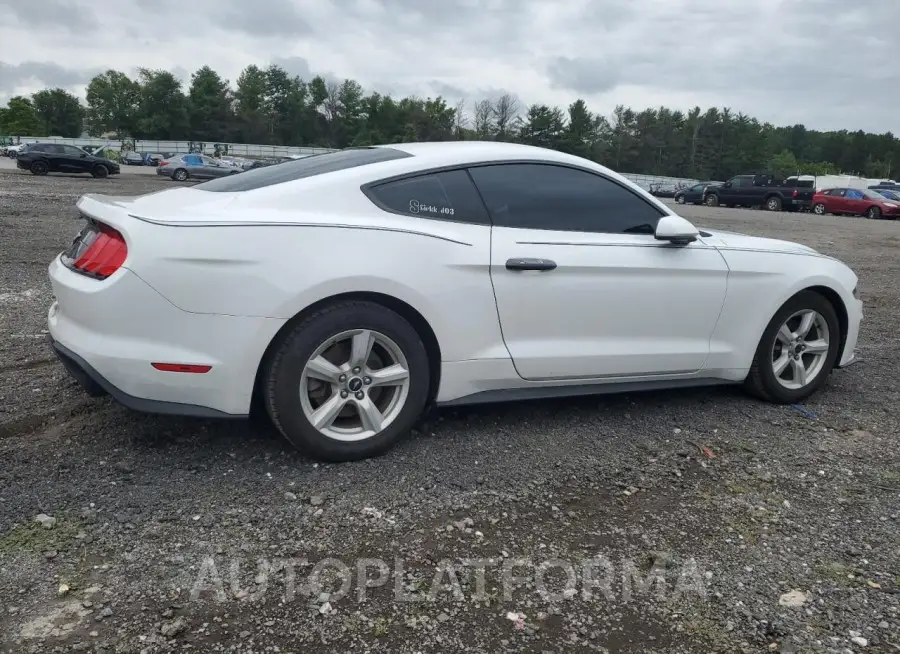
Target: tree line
{"x": 270, "y": 106}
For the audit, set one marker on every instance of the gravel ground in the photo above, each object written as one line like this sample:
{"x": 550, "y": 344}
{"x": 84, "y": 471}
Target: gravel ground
{"x": 690, "y": 521}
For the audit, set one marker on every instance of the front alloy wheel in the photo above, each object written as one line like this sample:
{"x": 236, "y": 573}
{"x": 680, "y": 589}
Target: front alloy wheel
{"x": 347, "y": 381}
{"x": 797, "y": 351}
{"x": 800, "y": 349}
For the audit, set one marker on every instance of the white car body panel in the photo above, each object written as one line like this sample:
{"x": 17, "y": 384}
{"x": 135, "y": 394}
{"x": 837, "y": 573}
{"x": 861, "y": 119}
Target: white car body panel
{"x": 210, "y": 278}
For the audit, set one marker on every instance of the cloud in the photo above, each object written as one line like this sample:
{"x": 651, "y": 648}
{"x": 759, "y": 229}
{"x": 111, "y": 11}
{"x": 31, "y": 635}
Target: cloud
{"x": 41, "y": 74}
{"x": 824, "y": 63}
{"x": 48, "y": 14}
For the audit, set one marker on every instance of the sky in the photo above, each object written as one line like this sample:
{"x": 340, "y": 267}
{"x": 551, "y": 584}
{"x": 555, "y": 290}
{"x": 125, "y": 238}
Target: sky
{"x": 829, "y": 64}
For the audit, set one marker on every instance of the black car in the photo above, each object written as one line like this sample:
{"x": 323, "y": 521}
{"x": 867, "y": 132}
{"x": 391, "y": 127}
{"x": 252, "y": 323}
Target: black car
{"x": 43, "y": 158}
{"x": 766, "y": 190}
{"x": 693, "y": 194}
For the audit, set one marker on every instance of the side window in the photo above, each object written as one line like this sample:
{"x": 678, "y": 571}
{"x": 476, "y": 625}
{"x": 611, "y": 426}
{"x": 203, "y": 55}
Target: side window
{"x": 546, "y": 196}
{"x": 853, "y": 194}
{"x": 72, "y": 150}
{"x": 192, "y": 160}
{"x": 737, "y": 182}
{"x": 447, "y": 195}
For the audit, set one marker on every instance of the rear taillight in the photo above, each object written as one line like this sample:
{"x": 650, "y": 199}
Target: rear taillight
{"x": 163, "y": 163}
{"x": 796, "y": 193}
{"x": 98, "y": 251}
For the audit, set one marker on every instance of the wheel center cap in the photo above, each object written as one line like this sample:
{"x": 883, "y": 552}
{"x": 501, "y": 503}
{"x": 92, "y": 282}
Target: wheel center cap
{"x": 355, "y": 384}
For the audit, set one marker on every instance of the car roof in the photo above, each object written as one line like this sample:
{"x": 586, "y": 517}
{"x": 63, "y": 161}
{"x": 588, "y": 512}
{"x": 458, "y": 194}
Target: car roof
{"x": 450, "y": 153}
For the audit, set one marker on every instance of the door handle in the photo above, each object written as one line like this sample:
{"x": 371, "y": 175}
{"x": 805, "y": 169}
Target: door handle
{"x": 530, "y": 264}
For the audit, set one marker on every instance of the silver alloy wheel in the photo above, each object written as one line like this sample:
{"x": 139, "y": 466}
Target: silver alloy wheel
{"x": 819, "y": 209}
{"x": 354, "y": 385}
{"x": 800, "y": 349}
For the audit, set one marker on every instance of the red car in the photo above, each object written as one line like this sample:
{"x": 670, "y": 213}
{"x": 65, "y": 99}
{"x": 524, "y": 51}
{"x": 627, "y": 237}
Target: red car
{"x": 854, "y": 201}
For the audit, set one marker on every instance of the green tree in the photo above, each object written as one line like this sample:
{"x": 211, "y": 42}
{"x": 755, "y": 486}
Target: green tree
{"x": 113, "y": 99}
{"x": 784, "y": 163}
{"x": 269, "y": 105}
{"x": 59, "y": 113}
{"x": 210, "y": 113}
{"x": 162, "y": 110}
{"x": 19, "y": 118}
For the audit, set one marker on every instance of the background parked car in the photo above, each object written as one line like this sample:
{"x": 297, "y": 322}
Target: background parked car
{"x": 43, "y": 158}
{"x": 694, "y": 194}
{"x": 133, "y": 159}
{"x": 762, "y": 190}
{"x": 893, "y": 196}
{"x": 13, "y": 151}
{"x": 182, "y": 167}
{"x": 855, "y": 202}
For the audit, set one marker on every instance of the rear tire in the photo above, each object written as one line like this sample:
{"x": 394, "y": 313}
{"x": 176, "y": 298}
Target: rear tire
{"x": 774, "y": 350}
{"x": 773, "y": 203}
{"x": 296, "y": 392}
{"x": 819, "y": 209}
{"x": 180, "y": 175}
{"x": 40, "y": 168}
{"x": 100, "y": 171}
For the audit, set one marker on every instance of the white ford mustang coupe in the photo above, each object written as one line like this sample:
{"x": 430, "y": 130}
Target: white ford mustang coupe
{"x": 346, "y": 292}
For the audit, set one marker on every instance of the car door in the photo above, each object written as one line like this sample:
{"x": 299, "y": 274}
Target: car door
{"x": 695, "y": 193}
{"x": 76, "y": 160}
{"x": 194, "y": 165}
{"x": 216, "y": 168}
{"x": 854, "y": 202}
{"x": 834, "y": 200}
{"x": 583, "y": 288}
{"x": 56, "y": 162}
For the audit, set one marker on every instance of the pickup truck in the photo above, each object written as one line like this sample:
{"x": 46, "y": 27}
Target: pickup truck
{"x": 767, "y": 191}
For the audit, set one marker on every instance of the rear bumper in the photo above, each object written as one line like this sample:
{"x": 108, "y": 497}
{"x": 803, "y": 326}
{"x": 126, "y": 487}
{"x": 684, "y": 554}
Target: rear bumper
{"x": 96, "y": 385}
{"x": 109, "y": 333}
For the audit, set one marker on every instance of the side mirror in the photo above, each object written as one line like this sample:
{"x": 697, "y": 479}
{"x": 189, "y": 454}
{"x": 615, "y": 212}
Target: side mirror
{"x": 676, "y": 230}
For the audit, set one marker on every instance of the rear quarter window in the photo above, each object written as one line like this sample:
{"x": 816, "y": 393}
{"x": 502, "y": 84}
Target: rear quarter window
{"x": 445, "y": 195}
{"x": 290, "y": 171}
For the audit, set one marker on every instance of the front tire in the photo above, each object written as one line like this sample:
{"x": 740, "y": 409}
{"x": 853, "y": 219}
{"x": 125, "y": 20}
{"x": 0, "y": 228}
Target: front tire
{"x": 874, "y": 213}
{"x": 680, "y": 199}
{"x": 100, "y": 171}
{"x": 347, "y": 382}
{"x": 797, "y": 350}
{"x": 712, "y": 200}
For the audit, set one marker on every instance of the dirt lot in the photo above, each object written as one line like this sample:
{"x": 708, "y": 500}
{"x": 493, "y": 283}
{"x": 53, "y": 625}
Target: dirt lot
{"x": 772, "y": 528}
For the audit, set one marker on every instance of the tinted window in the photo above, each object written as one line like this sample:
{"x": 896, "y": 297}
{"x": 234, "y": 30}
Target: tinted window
{"x": 318, "y": 164}
{"x": 853, "y": 194}
{"x": 36, "y": 147}
{"x": 448, "y": 195}
{"x": 72, "y": 150}
{"x": 742, "y": 182}
{"x": 541, "y": 196}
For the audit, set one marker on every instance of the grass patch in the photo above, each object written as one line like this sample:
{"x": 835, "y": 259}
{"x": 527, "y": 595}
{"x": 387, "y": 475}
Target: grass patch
{"x": 33, "y": 537}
